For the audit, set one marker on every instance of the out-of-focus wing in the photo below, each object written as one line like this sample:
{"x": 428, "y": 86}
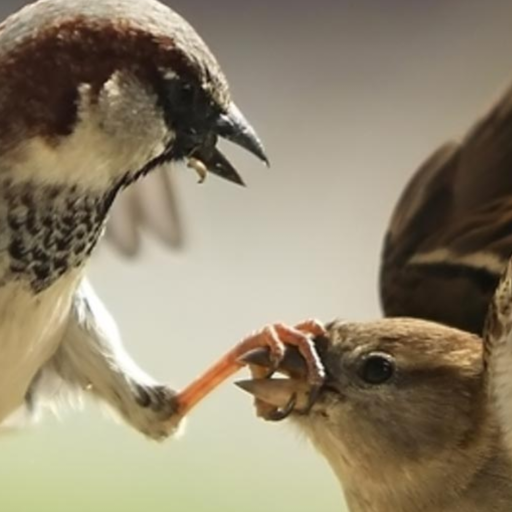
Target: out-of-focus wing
{"x": 149, "y": 205}
{"x": 451, "y": 232}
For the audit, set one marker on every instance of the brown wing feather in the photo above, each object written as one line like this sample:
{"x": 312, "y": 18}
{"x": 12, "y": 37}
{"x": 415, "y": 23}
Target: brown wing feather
{"x": 485, "y": 162}
{"x": 451, "y": 233}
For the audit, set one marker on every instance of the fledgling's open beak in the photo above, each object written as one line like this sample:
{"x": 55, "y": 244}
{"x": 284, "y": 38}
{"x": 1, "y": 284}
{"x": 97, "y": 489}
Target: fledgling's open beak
{"x": 293, "y": 393}
{"x": 233, "y": 127}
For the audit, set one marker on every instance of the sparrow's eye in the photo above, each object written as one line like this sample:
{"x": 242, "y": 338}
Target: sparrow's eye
{"x": 188, "y": 107}
{"x": 187, "y": 94}
{"x": 377, "y": 368}
{"x": 182, "y": 96}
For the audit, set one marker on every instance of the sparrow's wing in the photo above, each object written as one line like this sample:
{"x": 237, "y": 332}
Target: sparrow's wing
{"x": 498, "y": 354}
{"x": 149, "y": 205}
{"x": 451, "y": 233}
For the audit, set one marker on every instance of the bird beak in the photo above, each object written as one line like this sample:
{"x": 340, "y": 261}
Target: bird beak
{"x": 234, "y": 127}
{"x": 231, "y": 126}
{"x": 279, "y": 392}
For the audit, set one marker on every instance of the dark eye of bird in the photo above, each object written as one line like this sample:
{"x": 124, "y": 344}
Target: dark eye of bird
{"x": 377, "y": 368}
{"x": 190, "y": 112}
{"x": 181, "y": 99}
{"x": 188, "y": 95}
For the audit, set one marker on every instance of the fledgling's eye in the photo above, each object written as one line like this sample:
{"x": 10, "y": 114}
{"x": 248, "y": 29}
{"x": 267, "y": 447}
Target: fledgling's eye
{"x": 377, "y": 368}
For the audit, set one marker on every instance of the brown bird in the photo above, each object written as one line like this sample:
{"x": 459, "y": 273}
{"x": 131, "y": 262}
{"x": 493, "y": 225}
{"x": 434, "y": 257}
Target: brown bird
{"x": 411, "y": 417}
{"x": 415, "y": 410}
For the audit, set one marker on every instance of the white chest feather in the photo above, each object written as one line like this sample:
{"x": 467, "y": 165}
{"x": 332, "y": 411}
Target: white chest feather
{"x": 31, "y": 328}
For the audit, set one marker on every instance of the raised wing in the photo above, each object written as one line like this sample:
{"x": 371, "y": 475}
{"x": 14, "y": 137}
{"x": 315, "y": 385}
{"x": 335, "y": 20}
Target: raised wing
{"x": 150, "y": 205}
{"x": 451, "y": 233}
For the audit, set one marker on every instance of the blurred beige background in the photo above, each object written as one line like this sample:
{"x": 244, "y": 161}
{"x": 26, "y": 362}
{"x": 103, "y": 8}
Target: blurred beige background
{"x": 350, "y": 97}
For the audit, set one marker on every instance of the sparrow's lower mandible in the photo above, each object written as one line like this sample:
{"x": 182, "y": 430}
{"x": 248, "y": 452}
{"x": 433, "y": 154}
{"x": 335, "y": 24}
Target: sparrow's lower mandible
{"x": 94, "y": 95}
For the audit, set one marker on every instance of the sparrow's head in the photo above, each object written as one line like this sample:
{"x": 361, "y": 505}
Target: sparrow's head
{"x": 403, "y": 399}
{"x": 106, "y": 91}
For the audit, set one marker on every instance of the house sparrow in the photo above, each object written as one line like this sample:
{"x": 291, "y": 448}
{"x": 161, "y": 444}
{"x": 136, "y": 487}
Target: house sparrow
{"x": 94, "y": 96}
{"x": 415, "y": 410}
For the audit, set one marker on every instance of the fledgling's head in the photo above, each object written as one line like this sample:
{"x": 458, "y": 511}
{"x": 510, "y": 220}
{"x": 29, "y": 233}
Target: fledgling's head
{"x": 98, "y": 93}
{"x": 392, "y": 385}
{"x": 403, "y": 414}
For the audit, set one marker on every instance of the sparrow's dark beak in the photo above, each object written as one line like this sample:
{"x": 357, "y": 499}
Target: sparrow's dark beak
{"x": 231, "y": 126}
{"x": 234, "y": 127}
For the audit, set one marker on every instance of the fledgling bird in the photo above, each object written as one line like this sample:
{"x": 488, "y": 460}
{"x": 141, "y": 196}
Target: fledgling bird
{"x": 415, "y": 410}
{"x": 94, "y": 95}
{"x": 413, "y": 416}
